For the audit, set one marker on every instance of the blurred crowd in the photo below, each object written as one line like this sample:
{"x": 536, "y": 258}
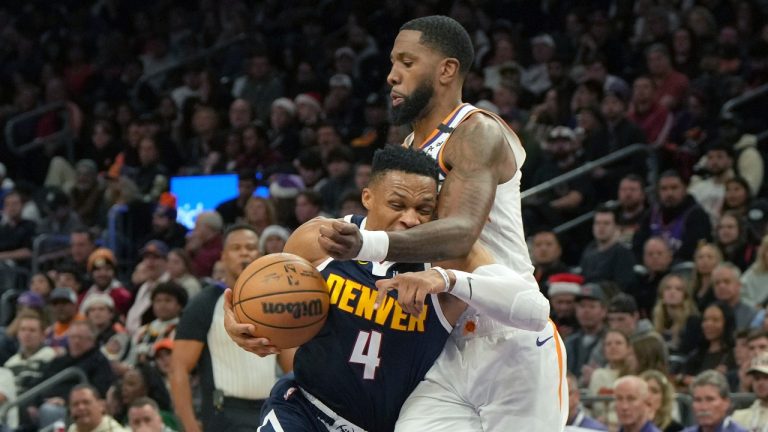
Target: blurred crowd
{"x": 664, "y": 289}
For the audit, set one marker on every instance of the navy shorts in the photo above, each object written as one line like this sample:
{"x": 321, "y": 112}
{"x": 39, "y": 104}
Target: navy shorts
{"x": 288, "y": 410}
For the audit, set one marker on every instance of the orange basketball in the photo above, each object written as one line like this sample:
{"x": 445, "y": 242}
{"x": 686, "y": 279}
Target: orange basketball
{"x": 284, "y": 296}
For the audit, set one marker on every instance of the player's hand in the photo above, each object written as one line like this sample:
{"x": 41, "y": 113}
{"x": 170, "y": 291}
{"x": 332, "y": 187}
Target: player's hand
{"x": 412, "y": 289}
{"x": 341, "y": 240}
{"x": 245, "y": 334}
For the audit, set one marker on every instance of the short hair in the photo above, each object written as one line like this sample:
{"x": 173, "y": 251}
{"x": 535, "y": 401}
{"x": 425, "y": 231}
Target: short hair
{"x": 172, "y": 289}
{"x": 633, "y": 177}
{"x": 312, "y": 196}
{"x": 647, "y": 78}
{"x": 672, "y": 174}
{"x": 32, "y": 315}
{"x": 730, "y": 266}
{"x": 633, "y": 378}
{"x": 87, "y": 325}
{"x": 86, "y": 386}
{"x": 445, "y": 35}
{"x": 659, "y": 48}
{"x": 713, "y": 378}
{"x": 397, "y": 158}
{"x": 212, "y": 219}
{"x": 756, "y": 334}
{"x": 607, "y": 208}
{"x": 238, "y": 227}
{"x": 143, "y": 401}
{"x": 85, "y": 230}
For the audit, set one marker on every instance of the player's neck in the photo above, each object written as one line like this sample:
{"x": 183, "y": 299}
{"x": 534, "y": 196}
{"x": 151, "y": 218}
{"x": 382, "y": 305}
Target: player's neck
{"x": 435, "y": 115}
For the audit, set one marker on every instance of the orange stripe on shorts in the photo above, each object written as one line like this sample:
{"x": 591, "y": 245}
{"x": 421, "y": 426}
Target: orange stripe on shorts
{"x": 559, "y": 365}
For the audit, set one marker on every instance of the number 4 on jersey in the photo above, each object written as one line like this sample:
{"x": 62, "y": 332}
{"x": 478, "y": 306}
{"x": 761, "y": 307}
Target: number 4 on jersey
{"x": 366, "y": 352}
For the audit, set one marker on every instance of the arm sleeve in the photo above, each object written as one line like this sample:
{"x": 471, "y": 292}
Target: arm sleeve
{"x": 196, "y": 319}
{"x": 505, "y": 296}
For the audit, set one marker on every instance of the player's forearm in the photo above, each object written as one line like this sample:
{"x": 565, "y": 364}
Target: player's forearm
{"x": 504, "y": 295}
{"x": 436, "y": 241}
{"x": 182, "y": 400}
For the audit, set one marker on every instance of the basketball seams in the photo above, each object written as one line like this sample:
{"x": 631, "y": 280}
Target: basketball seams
{"x": 280, "y": 293}
{"x": 255, "y": 272}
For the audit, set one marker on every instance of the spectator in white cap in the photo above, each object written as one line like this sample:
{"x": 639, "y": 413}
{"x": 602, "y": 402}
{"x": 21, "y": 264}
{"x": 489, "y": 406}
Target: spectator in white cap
{"x": 273, "y": 239}
{"x": 344, "y": 61}
{"x": 563, "y": 289}
{"x": 756, "y": 416}
{"x": 99, "y": 310}
{"x": 341, "y": 108}
{"x": 309, "y": 112}
{"x": 283, "y": 135}
{"x": 535, "y": 78}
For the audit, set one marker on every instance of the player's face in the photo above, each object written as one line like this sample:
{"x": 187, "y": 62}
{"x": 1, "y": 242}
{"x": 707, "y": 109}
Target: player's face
{"x": 398, "y": 201}
{"x": 414, "y": 68}
{"x": 240, "y": 249}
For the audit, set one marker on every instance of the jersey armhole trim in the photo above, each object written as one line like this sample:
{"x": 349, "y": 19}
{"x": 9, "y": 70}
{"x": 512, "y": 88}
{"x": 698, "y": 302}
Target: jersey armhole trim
{"x": 440, "y": 315}
{"x": 324, "y": 264}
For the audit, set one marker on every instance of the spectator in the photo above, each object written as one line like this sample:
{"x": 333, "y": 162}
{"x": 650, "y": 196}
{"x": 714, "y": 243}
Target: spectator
{"x": 606, "y": 259}
{"x": 102, "y": 268}
{"x": 259, "y": 213}
{"x": 64, "y": 310}
{"x": 148, "y": 274}
{"x": 240, "y": 114}
{"x": 623, "y": 315}
{"x": 8, "y": 393}
{"x": 342, "y": 109}
{"x": 99, "y": 311}
{"x": 545, "y": 254}
{"x": 283, "y": 134}
{"x": 259, "y": 86}
{"x": 82, "y": 353}
{"x": 168, "y": 300}
{"x": 756, "y": 416}
{"x": 649, "y": 353}
{"x": 61, "y": 218}
{"x": 180, "y": 268}
{"x": 15, "y": 233}
{"x": 577, "y": 415}
{"x": 590, "y": 313}
{"x": 201, "y": 342}
{"x": 710, "y": 192}
{"x": 732, "y": 238}
{"x": 654, "y": 119}
{"x": 204, "y": 243}
{"x": 632, "y": 207}
{"x": 661, "y": 396}
{"x": 616, "y": 350}
{"x": 657, "y": 261}
{"x": 88, "y": 193}
{"x": 87, "y": 410}
{"x": 81, "y": 244}
{"x": 711, "y": 403}
{"x": 671, "y": 85}
{"x": 633, "y": 405}
{"x": 674, "y": 311}
{"x": 151, "y": 176}
{"x": 163, "y": 349}
{"x": 535, "y": 78}
{"x": 563, "y": 289}
{"x": 706, "y": 258}
{"x": 676, "y": 217}
{"x": 309, "y": 205}
{"x": 273, "y": 239}
{"x": 42, "y": 285}
{"x": 164, "y": 225}
{"x": 714, "y": 352}
{"x": 233, "y": 209}
{"x": 256, "y": 155}
{"x": 144, "y": 416}
{"x": 754, "y": 283}
{"x": 141, "y": 382}
{"x": 340, "y": 178}
{"x": 738, "y": 199}
{"x": 725, "y": 279}
{"x": 621, "y": 133}
{"x": 351, "y": 203}
{"x": 68, "y": 276}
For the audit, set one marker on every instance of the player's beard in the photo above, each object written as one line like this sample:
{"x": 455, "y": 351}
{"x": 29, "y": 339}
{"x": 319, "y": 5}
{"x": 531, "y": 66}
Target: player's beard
{"x": 412, "y": 107}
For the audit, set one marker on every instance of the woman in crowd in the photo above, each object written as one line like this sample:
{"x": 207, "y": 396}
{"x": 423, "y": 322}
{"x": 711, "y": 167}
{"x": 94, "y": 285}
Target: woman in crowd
{"x": 733, "y": 240}
{"x": 715, "y": 350}
{"x": 705, "y": 259}
{"x": 272, "y": 239}
{"x": 616, "y": 349}
{"x": 662, "y": 400}
{"x": 673, "y": 310}
{"x": 649, "y": 353}
{"x": 739, "y": 200}
{"x": 259, "y": 213}
{"x": 754, "y": 282}
{"x": 179, "y": 265}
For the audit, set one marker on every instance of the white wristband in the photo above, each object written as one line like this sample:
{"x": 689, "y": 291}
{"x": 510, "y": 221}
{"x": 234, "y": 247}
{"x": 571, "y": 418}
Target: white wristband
{"x": 375, "y": 246}
{"x": 446, "y": 279}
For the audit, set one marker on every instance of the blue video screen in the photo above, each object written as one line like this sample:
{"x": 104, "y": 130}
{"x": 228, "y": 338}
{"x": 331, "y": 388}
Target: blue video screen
{"x": 196, "y": 194}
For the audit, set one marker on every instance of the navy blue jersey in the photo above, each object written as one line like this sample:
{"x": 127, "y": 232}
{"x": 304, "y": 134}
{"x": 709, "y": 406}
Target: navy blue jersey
{"x": 364, "y": 363}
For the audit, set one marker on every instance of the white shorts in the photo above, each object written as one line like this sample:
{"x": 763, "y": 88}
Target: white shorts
{"x": 507, "y": 380}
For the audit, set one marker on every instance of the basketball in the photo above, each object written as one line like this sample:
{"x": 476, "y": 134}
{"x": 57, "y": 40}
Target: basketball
{"x": 284, "y": 296}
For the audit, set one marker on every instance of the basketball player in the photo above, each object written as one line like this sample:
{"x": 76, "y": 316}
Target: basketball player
{"x": 356, "y": 373}
{"x": 491, "y": 376}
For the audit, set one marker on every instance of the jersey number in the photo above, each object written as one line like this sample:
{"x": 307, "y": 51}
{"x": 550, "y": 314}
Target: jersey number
{"x": 366, "y": 352}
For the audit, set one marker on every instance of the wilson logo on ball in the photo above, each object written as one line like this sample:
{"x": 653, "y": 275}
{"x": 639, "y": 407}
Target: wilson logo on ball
{"x": 296, "y": 309}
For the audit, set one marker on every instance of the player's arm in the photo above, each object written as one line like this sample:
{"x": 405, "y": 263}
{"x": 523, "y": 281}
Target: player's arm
{"x": 478, "y": 158}
{"x": 186, "y": 354}
{"x": 303, "y": 241}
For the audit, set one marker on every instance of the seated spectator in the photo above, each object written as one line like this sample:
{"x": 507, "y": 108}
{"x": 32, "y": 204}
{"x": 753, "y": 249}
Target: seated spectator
{"x": 144, "y": 416}
{"x": 563, "y": 289}
{"x": 64, "y": 310}
{"x": 754, "y": 282}
{"x": 715, "y": 351}
{"x": 577, "y": 415}
{"x": 102, "y": 268}
{"x": 27, "y": 303}
{"x": 756, "y": 416}
{"x": 163, "y": 349}
{"x": 8, "y": 393}
{"x": 606, "y": 259}
{"x": 257, "y": 155}
{"x": 148, "y": 273}
{"x": 653, "y": 118}
{"x": 672, "y": 85}
{"x": 41, "y": 284}
{"x": 164, "y": 225}
{"x": 649, "y": 353}
{"x": 68, "y": 276}
{"x": 82, "y": 243}
{"x": 633, "y": 405}
{"x": 88, "y": 193}
{"x": 168, "y": 300}
{"x": 591, "y": 309}
{"x": 309, "y": 205}
{"x": 632, "y": 207}
{"x": 710, "y": 191}
{"x": 232, "y": 210}
{"x": 674, "y": 311}
{"x": 259, "y": 213}
{"x": 661, "y": 397}
{"x": 616, "y": 350}
{"x": 676, "y": 217}
{"x": 351, "y": 203}
{"x": 273, "y": 239}
{"x": 140, "y": 382}
{"x": 61, "y": 217}
{"x": 340, "y": 178}
{"x": 180, "y": 271}
{"x": 16, "y": 233}
{"x": 732, "y": 238}
{"x": 706, "y": 258}
{"x": 740, "y": 380}
{"x": 545, "y": 254}
{"x": 82, "y": 353}
{"x": 99, "y": 311}
{"x": 657, "y": 261}
{"x": 204, "y": 243}
{"x": 623, "y": 315}
{"x": 738, "y": 199}
{"x": 86, "y": 408}
{"x": 711, "y": 402}
{"x": 727, "y": 285}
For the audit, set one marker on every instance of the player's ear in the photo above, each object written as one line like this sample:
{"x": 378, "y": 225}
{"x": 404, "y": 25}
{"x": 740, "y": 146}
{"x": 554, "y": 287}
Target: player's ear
{"x": 367, "y": 198}
{"x": 449, "y": 70}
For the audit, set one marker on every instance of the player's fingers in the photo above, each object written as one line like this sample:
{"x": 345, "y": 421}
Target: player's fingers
{"x": 418, "y": 301}
{"x": 383, "y": 286}
{"x": 344, "y": 228}
{"x": 405, "y": 296}
{"x": 330, "y": 246}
